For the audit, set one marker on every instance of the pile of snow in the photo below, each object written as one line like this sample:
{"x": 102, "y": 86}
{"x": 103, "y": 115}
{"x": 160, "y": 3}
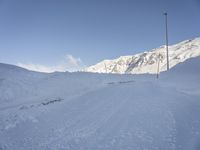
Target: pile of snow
{"x": 74, "y": 111}
{"x": 147, "y": 62}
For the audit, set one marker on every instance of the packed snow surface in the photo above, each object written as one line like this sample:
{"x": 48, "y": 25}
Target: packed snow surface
{"x": 85, "y": 111}
{"x": 147, "y": 62}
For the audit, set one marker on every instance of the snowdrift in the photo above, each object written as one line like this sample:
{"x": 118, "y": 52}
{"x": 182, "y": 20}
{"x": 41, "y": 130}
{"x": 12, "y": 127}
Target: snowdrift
{"x": 74, "y": 111}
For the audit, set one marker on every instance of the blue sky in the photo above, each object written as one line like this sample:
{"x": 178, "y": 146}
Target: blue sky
{"x": 69, "y": 34}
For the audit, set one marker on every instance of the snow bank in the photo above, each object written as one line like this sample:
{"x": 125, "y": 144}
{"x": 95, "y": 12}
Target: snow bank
{"x": 74, "y": 111}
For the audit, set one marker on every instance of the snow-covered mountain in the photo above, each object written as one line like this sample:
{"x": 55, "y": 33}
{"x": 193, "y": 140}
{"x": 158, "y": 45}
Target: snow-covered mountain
{"x": 147, "y": 62}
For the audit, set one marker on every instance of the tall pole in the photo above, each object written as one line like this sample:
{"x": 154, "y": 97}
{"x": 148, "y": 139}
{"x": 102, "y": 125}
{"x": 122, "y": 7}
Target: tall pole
{"x": 167, "y": 40}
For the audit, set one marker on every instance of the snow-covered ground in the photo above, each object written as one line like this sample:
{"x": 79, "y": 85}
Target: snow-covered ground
{"x": 86, "y": 111}
{"x": 147, "y": 62}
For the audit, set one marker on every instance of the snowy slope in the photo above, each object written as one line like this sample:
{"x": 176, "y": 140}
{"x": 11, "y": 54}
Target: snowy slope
{"x": 147, "y": 62}
{"x": 74, "y": 111}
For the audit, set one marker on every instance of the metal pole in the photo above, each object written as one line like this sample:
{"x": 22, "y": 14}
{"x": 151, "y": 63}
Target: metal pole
{"x": 167, "y": 41}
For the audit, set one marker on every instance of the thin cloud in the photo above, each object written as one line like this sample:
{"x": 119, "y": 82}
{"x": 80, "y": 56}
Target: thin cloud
{"x": 69, "y": 63}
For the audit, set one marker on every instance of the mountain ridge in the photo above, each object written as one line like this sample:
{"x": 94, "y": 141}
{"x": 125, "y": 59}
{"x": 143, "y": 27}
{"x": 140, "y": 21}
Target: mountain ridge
{"x": 147, "y": 61}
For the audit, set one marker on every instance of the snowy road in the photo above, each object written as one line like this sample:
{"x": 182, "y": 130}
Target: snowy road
{"x": 145, "y": 114}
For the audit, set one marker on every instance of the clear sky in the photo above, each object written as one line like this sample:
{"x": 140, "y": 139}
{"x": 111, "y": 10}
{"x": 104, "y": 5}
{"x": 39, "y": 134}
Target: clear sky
{"x": 69, "y": 34}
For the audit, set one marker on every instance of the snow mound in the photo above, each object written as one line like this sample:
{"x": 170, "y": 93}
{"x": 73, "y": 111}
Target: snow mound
{"x": 74, "y": 111}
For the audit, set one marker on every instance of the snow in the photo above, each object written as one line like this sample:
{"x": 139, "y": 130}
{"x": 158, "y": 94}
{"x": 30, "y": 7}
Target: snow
{"x": 88, "y": 111}
{"x": 147, "y": 62}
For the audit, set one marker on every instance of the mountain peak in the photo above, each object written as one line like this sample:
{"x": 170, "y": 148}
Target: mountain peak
{"x": 147, "y": 61}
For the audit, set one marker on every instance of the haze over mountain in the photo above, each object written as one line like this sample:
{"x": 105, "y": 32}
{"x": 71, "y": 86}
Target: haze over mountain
{"x": 147, "y": 62}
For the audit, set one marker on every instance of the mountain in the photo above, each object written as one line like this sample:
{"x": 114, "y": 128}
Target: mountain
{"x": 147, "y": 62}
